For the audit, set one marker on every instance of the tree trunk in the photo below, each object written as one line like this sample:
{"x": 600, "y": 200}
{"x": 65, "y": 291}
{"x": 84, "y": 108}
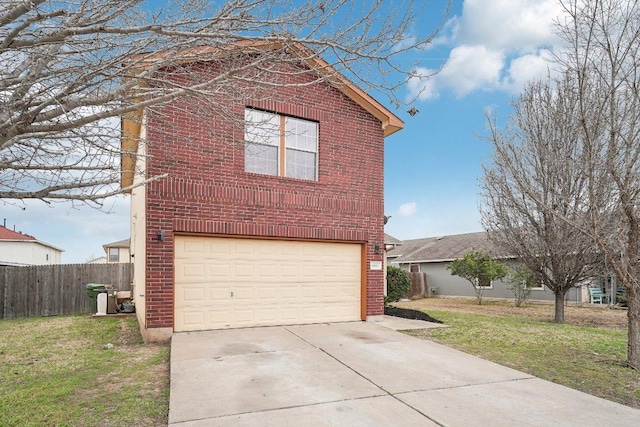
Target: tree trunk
{"x": 633, "y": 315}
{"x": 559, "y": 307}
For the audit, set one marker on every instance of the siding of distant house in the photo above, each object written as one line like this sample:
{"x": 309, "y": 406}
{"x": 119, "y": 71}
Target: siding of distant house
{"x": 445, "y": 284}
{"x": 121, "y": 256}
{"x": 25, "y": 252}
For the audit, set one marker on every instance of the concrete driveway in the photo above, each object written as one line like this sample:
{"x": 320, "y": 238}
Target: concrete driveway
{"x": 361, "y": 374}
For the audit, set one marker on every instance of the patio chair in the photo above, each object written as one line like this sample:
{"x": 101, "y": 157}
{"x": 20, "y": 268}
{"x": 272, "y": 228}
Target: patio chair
{"x": 597, "y": 296}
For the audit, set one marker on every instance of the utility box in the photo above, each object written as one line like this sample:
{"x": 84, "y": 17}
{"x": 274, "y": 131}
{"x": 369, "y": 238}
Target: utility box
{"x": 112, "y": 301}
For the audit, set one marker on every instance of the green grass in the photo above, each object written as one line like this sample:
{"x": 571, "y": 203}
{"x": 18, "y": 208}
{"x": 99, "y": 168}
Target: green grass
{"x": 56, "y": 371}
{"x": 586, "y": 358}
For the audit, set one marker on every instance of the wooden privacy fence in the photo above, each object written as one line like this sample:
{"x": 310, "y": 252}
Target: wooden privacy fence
{"x": 419, "y": 285}
{"x": 49, "y": 290}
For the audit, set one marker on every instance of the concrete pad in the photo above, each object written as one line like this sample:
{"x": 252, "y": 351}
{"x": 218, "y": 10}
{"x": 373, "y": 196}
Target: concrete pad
{"x": 325, "y": 335}
{"x": 376, "y": 411}
{"x": 359, "y": 373}
{"x": 232, "y": 342}
{"x": 529, "y": 402}
{"x": 400, "y": 324}
{"x": 399, "y": 363}
{"x": 233, "y": 380}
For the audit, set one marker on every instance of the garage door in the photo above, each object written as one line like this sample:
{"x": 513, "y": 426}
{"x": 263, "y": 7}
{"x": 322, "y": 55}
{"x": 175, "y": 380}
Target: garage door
{"x": 230, "y": 283}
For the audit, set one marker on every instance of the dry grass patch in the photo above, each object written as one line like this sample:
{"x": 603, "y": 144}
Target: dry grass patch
{"x": 584, "y": 315}
{"x": 57, "y": 371}
{"x": 586, "y": 353}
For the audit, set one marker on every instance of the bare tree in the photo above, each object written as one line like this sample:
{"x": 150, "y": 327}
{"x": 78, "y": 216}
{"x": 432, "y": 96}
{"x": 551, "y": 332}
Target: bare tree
{"x": 535, "y": 177}
{"x": 603, "y": 37}
{"x": 602, "y": 65}
{"x": 71, "y": 69}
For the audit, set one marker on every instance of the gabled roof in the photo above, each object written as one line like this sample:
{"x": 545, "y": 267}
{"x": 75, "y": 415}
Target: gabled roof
{"x": 6, "y": 234}
{"x": 390, "y": 240}
{"x": 126, "y": 243}
{"x": 14, "y": 236}
{"x": 443, "y": 248}
{"x": 131, "y": 127}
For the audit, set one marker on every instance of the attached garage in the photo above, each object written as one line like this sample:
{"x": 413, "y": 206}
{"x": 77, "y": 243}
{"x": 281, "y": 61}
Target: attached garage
{"x": 224, "y": 282}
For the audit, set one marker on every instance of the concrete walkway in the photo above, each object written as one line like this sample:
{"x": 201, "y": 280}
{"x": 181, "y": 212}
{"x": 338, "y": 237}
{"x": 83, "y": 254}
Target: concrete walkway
{"x": 361, "y": 374}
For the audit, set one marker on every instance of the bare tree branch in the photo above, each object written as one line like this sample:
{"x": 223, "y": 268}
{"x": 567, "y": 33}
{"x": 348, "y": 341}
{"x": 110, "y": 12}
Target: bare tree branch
{"x": 600, "y": 143}
{"x": 69, "y": 70}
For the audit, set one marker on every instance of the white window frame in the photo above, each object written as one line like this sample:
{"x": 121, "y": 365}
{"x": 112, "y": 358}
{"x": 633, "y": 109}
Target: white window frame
{"x": 483, "y": 287}
{"x": 540, "y": 287}
{"x": 275, "y": 131}
{"x": 117, "y": 255}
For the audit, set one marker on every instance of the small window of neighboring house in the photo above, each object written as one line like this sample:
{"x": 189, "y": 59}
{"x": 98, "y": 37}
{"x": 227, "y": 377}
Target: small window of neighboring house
{"x": 281, "y": 146}
{"x": 114, "y": 254}
{"x": 536, "y": 286}
{"x": 484, "y": 284}
{"x": 414, "y": 268}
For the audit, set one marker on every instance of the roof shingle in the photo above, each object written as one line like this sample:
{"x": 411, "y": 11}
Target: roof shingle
{"x": 444, "y": 248}
{"x": 6, "y": 234}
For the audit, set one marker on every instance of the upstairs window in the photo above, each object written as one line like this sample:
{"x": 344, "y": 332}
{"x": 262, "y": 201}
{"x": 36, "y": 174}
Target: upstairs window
{"x": 114, "y": 255}
{"x": 280, "y": 145}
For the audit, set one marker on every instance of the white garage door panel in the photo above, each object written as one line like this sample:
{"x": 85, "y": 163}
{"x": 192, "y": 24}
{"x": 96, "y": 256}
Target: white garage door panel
{"x": 226, "y": 282}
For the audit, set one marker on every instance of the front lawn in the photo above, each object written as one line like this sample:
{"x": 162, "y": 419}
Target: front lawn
{"x": 587, "y": 353}
{"x": 60, "y": 371}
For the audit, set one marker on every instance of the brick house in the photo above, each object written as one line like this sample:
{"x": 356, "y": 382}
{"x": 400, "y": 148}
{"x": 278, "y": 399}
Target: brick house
{"x": 278, "y": 221}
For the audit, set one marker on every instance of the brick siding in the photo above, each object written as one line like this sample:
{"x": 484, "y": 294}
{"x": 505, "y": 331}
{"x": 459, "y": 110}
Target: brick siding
{"x": 208, "y": 192}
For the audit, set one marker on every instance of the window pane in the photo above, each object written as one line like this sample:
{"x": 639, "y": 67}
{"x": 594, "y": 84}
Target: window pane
{"x": 301, "y": 164}
{"x": 114, "y": 255}
{"x": 261, "y": 127}
{"x": 259, "y": 158}
{"x": 301, "y": 134}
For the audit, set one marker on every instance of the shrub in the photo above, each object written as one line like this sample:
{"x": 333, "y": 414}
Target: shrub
{"x": 398, "y": 284}
{"x": 522, "y": 280}
{"x": 479, "y": 269}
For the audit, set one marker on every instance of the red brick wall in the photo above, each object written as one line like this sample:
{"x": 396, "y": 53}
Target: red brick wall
{"x": 207, "y": 190}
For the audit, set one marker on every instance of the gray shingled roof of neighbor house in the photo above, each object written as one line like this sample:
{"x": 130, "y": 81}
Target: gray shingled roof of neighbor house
{"x": 443, "y": 248}
{"x": 119, "y": 244}
{"x": 390, "y": 240}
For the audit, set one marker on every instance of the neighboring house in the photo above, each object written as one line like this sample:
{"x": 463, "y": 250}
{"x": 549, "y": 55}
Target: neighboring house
{"x": 118, "y": 251}
{"x": 283, "y": 227}
{"x": 391, "y": 242}
{"x": 22, "y": 249}
{"x": 432, "y": 255}
{"x": 99, "y": 260}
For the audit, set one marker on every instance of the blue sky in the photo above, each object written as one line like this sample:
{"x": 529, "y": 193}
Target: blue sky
{"x": 486, "y": 52}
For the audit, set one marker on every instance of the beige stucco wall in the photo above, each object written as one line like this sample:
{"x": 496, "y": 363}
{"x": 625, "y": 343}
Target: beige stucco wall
{"x": 138, "y": 233}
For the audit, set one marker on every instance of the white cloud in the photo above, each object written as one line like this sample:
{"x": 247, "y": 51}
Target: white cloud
{"x": 521, "y": 25}
{"x": 526, "y": 68}
{"x": 471, "y": 67}
{"x": 423, "y": 85}
{"x": 495, "y": 45}
{"x": 408, "y": 209}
